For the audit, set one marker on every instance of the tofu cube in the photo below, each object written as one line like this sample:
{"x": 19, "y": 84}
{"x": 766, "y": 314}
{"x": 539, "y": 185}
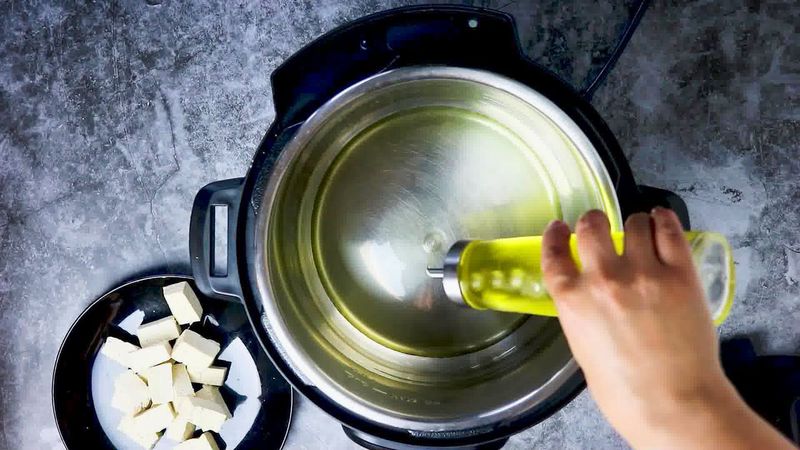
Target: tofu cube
{"x": 212, "y": 393}
{"x": 159, "y": 382}
{"x": 144, "y": 440}
{"x": 154, "y": 419}
{"x": 131, "y": 394}
{"x": 183, "y": 303}
{"x": 204, "y": 442}
{"x": 207, "y": 442}
{"x": 190, "y": 444}
{"x": 206, "y": 414}
{"x": 117, "y": 350}
{"x": 182, "y": 407}
{"x": 158, "y": 330}
{"x": 149, "y": 356}
{"x": 180, "y": 429}
{"x": 212, "y": 375}
{"x": 181, "y": 382}
{"x": 194, "y": 350}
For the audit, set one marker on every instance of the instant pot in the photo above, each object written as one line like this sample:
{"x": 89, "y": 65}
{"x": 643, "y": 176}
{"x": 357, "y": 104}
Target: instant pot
{"x": 395, "y": 136}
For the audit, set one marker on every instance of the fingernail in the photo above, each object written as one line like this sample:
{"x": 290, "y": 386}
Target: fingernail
{"x": 556, "y": 225}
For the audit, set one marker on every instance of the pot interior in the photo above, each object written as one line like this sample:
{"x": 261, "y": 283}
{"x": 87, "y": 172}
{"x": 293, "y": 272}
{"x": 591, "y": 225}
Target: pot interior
{"x": 374, "y": 188}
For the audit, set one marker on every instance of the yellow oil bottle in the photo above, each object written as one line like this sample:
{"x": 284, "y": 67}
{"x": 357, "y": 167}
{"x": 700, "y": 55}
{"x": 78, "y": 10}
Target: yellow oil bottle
{"x": 506, "y": 275}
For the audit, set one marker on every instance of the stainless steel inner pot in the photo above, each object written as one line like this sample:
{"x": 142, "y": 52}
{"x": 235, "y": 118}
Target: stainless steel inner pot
{"x": 375, "y": 187}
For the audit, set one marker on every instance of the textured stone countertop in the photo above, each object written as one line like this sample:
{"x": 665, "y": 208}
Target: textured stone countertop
{"x": 113, "y": 114}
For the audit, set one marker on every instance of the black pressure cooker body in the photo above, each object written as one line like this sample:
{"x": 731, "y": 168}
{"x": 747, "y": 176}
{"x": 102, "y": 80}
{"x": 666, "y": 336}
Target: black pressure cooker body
{"x": 441, "y": 35}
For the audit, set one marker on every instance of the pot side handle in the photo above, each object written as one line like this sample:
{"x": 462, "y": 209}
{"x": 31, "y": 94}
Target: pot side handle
{"x": 650, "y": 197}
{"x": 223, "y": 285}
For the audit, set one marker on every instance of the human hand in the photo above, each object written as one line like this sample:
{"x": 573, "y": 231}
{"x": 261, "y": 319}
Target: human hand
{"x": 639, "y": 327}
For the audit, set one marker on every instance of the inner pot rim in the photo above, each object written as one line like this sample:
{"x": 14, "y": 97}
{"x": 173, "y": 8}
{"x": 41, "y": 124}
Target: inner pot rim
{"x": 280, "y": 333}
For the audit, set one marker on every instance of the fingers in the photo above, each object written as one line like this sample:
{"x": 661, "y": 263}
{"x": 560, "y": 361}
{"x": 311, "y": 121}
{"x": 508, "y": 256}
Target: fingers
{"x": 639, "y": 246}
{"x": 558, "y": 268}
{"x": 595, "y": 248}
{"x": 671, "y": 246}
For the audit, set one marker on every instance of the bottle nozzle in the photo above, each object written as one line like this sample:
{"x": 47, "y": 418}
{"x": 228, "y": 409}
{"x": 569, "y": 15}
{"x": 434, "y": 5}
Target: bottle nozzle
{"x": 435, "y": 272}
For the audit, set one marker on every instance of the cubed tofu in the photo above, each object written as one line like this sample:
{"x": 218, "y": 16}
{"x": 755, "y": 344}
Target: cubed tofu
{"x": 131, "y": 394}
{"x": 181, "y": 383}
{"x": 128, "y": 428}
{"x": 165, "y": 329}
{"x": 190, "y": 444}
{"x": 183, "y": 303}
{"x": 180, "y": 429}
{"x": 182, "y": 407}
{"x": 154, "y": 419}
{"x": 205, "y": 442}
{"x": 212, "y": 393}
{"x": 118, "y": 350}
{"x": 212, "y": 375}
{"x": 149, "y": 356}
{"x": 159, "y": 382}
{"x": 194, "y": 350}
{"x": 206, "y": 414}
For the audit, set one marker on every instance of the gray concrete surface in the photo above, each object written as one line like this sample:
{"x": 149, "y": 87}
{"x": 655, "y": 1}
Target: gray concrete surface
{"x": 113, "y": 114}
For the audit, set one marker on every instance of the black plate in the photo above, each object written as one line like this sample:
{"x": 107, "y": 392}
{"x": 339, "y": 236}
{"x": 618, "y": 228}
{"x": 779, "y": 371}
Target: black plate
{"x": 259, "y": 398}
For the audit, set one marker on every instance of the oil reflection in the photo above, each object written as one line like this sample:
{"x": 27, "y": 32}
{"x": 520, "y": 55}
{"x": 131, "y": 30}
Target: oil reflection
{"x": 384, "y": 266}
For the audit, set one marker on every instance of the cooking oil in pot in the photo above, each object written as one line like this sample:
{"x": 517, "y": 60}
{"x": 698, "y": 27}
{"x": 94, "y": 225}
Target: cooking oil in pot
{"x": 397, "y": 197}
